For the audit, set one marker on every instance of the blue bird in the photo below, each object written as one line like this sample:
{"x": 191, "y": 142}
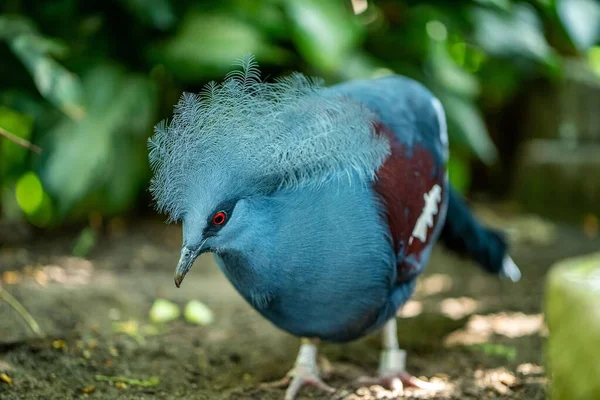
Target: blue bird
{"x": 320, "y": 204}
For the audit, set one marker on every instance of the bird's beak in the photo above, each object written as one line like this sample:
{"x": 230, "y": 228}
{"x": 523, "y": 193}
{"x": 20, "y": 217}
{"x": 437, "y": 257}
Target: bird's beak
{"x": 188, "y": 256}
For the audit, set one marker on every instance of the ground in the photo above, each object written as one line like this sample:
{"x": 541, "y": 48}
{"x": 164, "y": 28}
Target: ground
{"x": 481, "y": 337}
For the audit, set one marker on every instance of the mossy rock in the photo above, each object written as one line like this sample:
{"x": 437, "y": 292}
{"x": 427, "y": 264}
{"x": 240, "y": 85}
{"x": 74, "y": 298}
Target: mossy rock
{"x": 573, "y": 317}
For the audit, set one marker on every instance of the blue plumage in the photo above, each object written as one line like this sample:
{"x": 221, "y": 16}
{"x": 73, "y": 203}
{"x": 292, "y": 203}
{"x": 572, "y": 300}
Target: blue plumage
{"x": 321, "y": 205}
{"x": 305, "y": 271}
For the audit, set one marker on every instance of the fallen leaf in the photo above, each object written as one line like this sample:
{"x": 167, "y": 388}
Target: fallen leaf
{"x": 88, "y": 389}
{"x": 6, "y": 379}
{"x": 59, "y": 344}
{"x": 11, "y": 277}
{"x": 197, "y": 312}
{"x": 130, "y": 328}
{"x": 122, "y": 381}
{"x": 41, "y": 278}
{"x": 163, "y": 311}
{"x": 113, "y": 351}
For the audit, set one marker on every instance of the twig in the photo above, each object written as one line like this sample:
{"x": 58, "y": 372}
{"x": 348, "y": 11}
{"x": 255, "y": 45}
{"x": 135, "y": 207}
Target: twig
{"x": 14, "y": 303}
{"x": 20, "y": 141}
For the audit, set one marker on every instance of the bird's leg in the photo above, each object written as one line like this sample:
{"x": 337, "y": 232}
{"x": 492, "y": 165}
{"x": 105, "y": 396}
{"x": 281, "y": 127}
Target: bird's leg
{"x": 305, "y": 371}
{"x": 392, "y": 364}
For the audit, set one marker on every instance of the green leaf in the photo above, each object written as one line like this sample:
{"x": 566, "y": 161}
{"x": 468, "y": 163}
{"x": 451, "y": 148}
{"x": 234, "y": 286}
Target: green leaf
{"x": 29, "y": 192}
{"x": 448, "y": 75}
{"x": 25, "y": 102}
{"x": 54, "y": 82}
{"x": 85, "y": 242}
{"x": 156, "y": 13}
{"x": 581, "y": 20}
{"x": 13, "y": 156}
{"x": 519, "y": 33}
{"x": 266, "y": 15}
{"x": 497, "y": 350}
{"x": 467, "y": 125}
{"x": 324, "y": 31}
{"x": 14, "y": 25}
{"x": 32, "y": 200}
{"x": 505, "y": 5}
{"x": 361, "y": 65}
{"x": 500, "y": 81}
{"x": 208, "y": 45}
{"x": 459, "y": 173}
{"x": 103, "y": 154}
{"x": 594, "y": 59}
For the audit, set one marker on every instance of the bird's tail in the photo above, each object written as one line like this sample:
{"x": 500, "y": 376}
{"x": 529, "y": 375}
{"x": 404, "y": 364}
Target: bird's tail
{"x": 463, "y": 234}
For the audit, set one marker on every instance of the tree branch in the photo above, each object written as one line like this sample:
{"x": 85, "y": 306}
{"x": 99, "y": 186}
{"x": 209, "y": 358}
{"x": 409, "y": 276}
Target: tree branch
{"x": 18, "y": 307}
{"x": 20, "y": 141}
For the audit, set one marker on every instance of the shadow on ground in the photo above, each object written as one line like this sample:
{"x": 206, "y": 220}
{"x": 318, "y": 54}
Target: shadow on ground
{"x": 481, "y": 337}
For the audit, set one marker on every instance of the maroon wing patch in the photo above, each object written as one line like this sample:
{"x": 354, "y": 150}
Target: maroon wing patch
{"x": 403, "y": 181}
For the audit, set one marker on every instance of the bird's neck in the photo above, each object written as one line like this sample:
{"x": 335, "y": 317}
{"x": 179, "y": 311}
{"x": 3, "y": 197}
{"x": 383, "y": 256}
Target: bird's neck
{"x": 248, "y": 277}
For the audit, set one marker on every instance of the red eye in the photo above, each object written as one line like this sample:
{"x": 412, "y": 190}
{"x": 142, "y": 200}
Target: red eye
{"x": 219, "y": 218}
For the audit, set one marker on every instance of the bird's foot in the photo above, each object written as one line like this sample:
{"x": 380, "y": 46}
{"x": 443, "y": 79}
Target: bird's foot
{"x": 299, "y": 376}
{"x": 393, "y": 375}
{"x": 399, "y": 380}
{"x": 305, "y": 372}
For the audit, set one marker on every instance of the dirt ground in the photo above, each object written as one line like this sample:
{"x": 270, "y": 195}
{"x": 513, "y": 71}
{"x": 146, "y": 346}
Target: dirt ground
{"x": 481, "y": 337}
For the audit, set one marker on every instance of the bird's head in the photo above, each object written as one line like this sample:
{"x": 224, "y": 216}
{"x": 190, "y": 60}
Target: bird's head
{"x": 219, "y": 220}
{"x": 229, "y": 148}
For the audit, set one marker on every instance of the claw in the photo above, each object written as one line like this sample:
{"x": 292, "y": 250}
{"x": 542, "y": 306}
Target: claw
{"x": 392, "y": 374}
{"x": 304, "y": 373}
{"x": 398, "y": 381}
{"x": 278, "y": 384}
{"x": 298, "y": 377}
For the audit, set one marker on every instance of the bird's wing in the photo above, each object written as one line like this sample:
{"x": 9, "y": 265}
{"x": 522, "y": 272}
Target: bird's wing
{"x": 413, "y": 188}
{"x": 412, "y": 181}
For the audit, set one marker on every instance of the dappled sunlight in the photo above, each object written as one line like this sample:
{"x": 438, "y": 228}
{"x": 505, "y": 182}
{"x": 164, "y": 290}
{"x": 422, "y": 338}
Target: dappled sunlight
{"x": 480, "y": 328}
{"x": 67, "y": 270}
{"x": 530, "y": 369}
{"x": 499, "y": 379}
{"x": 359, "y": 6}
{"x": 313, "y": 140}
{"x": 457, "y": 308}
{"x": 510, "y": 325}
{"x": 376, "y": 392}
{"x": 434, "y": 284}
{"x": 411, "y": 309}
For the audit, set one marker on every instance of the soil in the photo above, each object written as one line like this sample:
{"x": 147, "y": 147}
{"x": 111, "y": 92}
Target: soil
{"x": 480, "y": 337}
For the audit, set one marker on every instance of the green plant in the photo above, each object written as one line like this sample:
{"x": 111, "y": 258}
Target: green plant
{"x": 86, "y": 81}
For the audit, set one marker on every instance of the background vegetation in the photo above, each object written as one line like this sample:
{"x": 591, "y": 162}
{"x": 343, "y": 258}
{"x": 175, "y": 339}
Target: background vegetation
{"x": 87, "y": 80}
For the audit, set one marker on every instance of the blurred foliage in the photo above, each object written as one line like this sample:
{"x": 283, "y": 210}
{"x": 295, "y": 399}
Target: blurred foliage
{"x": 87, "y": 80}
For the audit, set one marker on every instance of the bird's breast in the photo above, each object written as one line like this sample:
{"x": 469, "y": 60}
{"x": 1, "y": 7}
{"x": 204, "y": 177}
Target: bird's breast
{"x": 329, "y": 307}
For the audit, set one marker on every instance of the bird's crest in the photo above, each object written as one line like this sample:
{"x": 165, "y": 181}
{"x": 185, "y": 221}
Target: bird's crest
{"x": 293, "y": 132}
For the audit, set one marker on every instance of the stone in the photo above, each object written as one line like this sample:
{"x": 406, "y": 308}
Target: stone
{"x": 572, "y": 307}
